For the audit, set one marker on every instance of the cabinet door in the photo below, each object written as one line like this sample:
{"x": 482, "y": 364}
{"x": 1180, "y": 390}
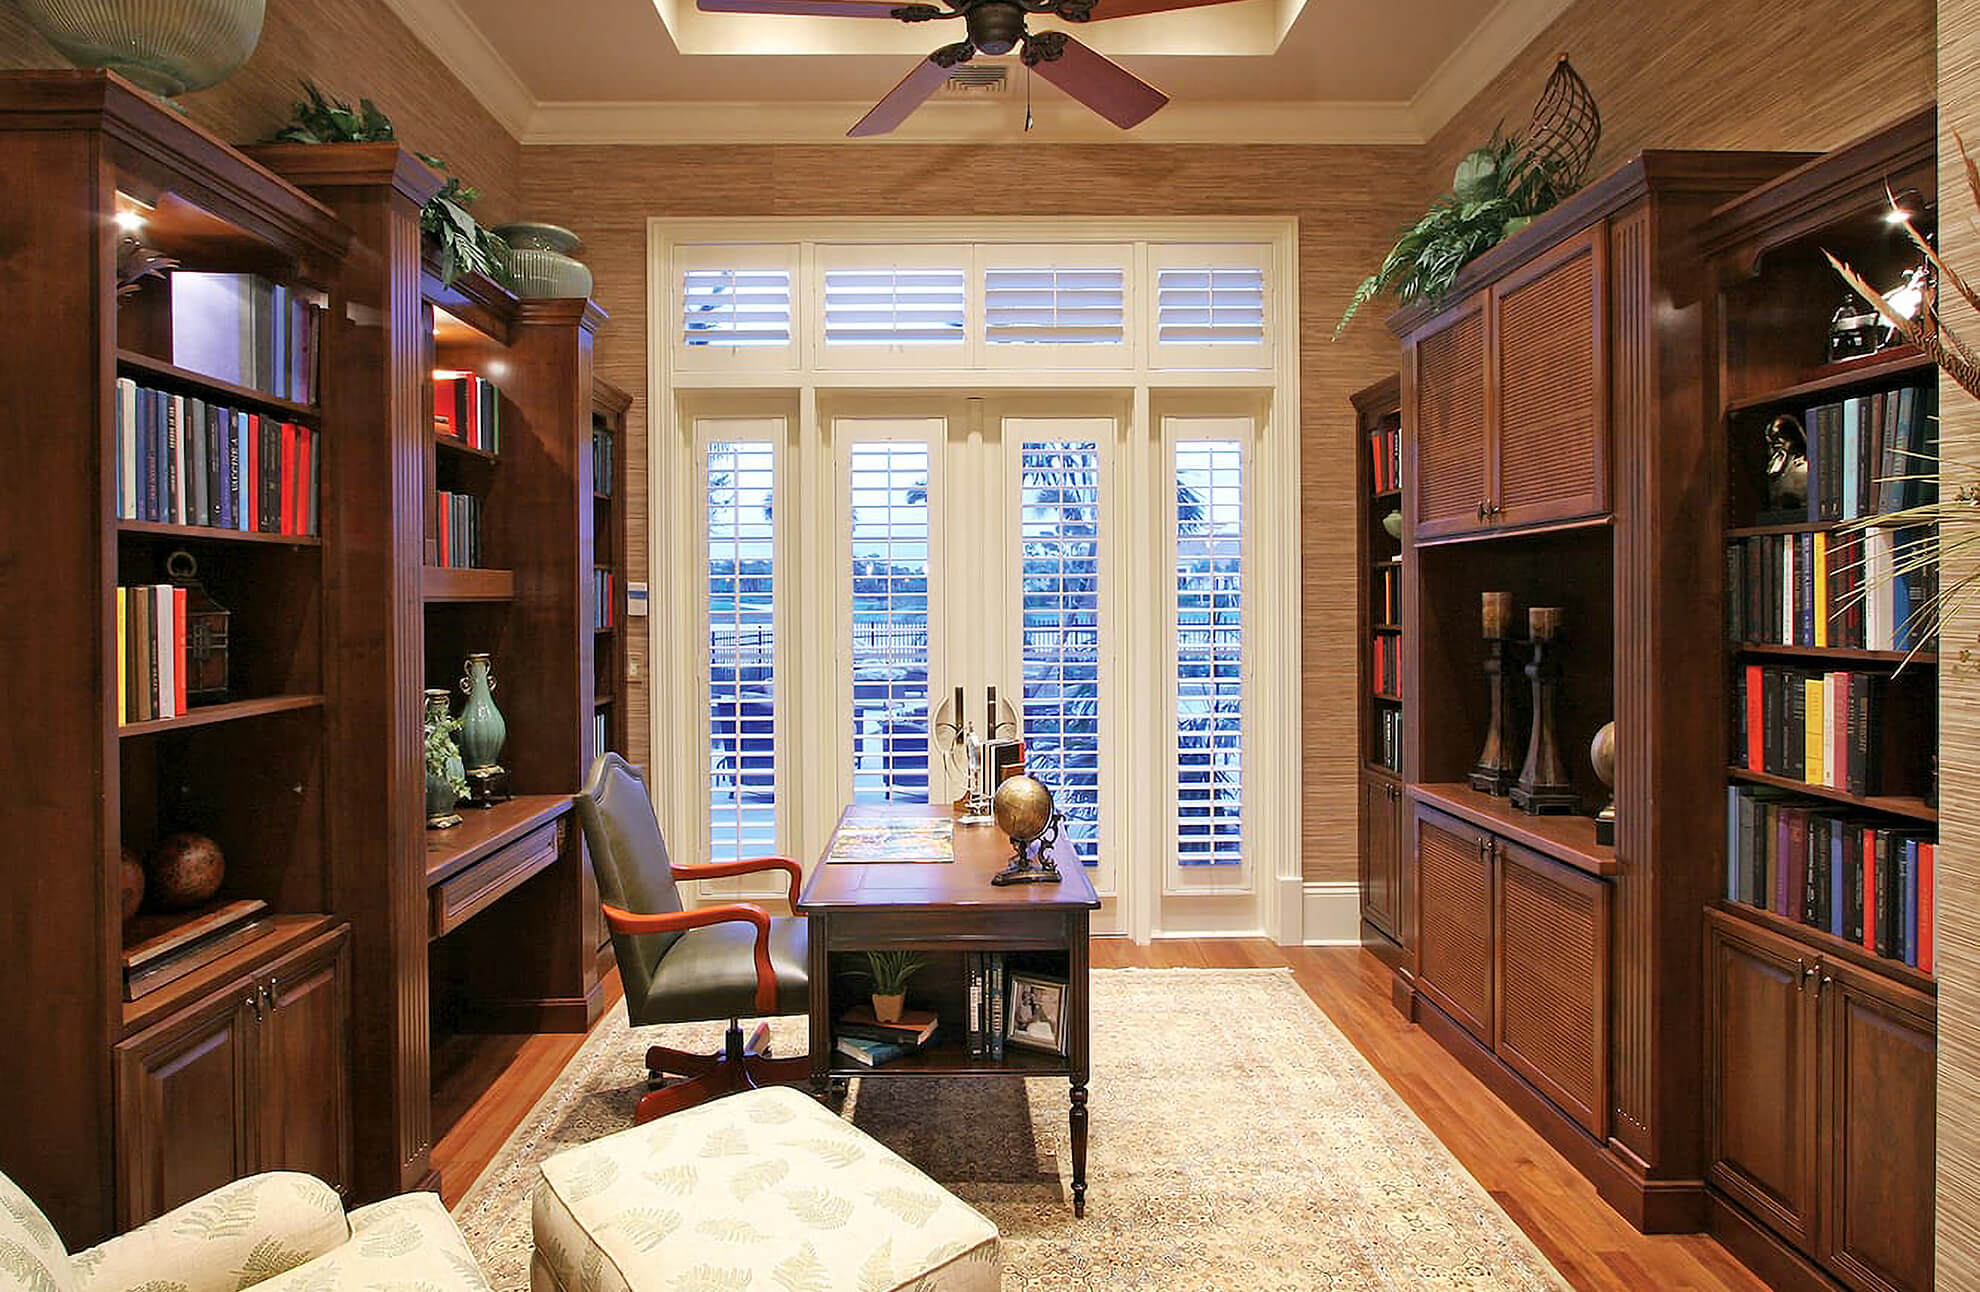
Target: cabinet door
{"x": 1877, "y": 1131}
{"x": 1552, "y": 1009}
{"x": 1454, "y": 924}
{"x": 1760, "y": 1078}
{"x": 184, "y": 1090}
{"x": 1381, "y": 848}
{"x": 1551, "y": 388}
{"x": 1446, "y": 424}
{"x": 303, "y": 1091}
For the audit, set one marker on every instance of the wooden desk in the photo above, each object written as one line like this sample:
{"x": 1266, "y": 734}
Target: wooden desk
{"x": 943, "y": 910}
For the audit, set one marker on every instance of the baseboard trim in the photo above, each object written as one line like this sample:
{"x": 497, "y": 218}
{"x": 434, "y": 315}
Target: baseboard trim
{"x": 567, "y": 1014}
{"x": 1330, "y": 912}
{"x": 1761, "y": 1250}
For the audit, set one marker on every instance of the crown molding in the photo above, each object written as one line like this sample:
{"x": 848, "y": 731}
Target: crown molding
{"x": 453, "y": 38}
{"x": 990, "y": 120}
{"x": 1498, "y": 39}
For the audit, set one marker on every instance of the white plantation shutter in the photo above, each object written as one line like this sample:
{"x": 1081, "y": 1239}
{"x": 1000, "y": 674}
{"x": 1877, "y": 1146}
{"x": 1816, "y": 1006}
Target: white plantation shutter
{"x": 1054, "y": 306}
{"x": 894, "y": 307}
{"x": 736, "y": 307}
{"x": 740, "y": 489}
{"x": 889, "y": 564}
{"x": 1208, "y": 604}
{"x": 1211, "y": 309}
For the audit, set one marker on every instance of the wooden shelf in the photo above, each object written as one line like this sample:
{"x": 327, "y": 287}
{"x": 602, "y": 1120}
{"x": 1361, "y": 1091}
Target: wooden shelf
{"x": 1386, "y": 560}
{"x": 1499, "y": 532}
{"x": 1378, "y": 769}
{"x": 288, "y": 933}
{"x": 1912, "y": 808}
{"x": 1384, "y": 695}
{"x": 1385, "y": 628}
{"x": 1890, "y": 366}
{"x": 1808, "y": 527}
{"x": 233, "y": 711}
{"x": 1380, "y": 494}
{"x": 952, "y": 1057}
{"x": 483, "y": 830}
{"x": 133, "y": 362}
{"x": 602, "y": 701}
{"x": 461, "y": 448}
{"x": 597, "y": 496}
{"x": 1837, "y": 654}
{"x": 209, "y": 534}
{"x": 442, "y": 583}
{"x": 1567, "y": 839}
{"x": 1827, "y": 943}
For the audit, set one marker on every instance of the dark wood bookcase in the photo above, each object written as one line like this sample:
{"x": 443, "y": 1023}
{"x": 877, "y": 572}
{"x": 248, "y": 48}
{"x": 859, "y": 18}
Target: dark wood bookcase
{"x": 1558, "y": 447}
{"x": 1378, "y": 624}
{"x": 608, "y": 424}
{"x": 1820, "y": 1055}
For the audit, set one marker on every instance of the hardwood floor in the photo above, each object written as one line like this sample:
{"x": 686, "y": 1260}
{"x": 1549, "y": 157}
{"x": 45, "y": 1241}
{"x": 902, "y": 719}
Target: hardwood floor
{"x": 486, "y": 1084}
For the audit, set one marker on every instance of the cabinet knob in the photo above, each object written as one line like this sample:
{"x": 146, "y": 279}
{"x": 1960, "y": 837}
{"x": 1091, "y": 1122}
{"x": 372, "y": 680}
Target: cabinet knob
{"x": 1481, "y": 509}
{"x": 254, "y": 1001}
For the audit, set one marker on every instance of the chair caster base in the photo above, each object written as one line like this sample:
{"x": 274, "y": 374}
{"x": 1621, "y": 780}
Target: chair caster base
{"x": 742, "y": 1065}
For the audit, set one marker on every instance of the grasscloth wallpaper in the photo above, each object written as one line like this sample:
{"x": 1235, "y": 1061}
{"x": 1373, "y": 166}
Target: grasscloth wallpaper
{"x": 1348, "y": 200}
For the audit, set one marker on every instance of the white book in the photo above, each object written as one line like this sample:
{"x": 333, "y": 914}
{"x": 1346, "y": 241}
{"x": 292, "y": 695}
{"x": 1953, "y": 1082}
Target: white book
{"x": 1877, "y": 574}
{"x": 1787, "y": 592}
{"x": 127, "y": 476}
{"x": 213, "y": 324}
{"x": 1837, "y": 726}
{"x": 1852, "y": 451}
{"x": 1828, "y": 694}
{"x": 178, "y": 466}
{"x": 165, "y": 640}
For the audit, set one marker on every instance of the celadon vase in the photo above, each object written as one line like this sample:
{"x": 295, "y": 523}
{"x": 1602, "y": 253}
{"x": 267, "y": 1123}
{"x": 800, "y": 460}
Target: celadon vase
{"x": 443, "y": 771}
{"x": 166, "y": 46}
{"x": 540, "y": 261}
{"x": 483, "y": 729}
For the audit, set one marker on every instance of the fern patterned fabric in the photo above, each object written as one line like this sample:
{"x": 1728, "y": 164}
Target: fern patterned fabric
{"x": 236, "y": 1237}
{"x": 32, "y": 1257}
{"x": 760, "y": 1192}
{"x": 403, "y": 1244}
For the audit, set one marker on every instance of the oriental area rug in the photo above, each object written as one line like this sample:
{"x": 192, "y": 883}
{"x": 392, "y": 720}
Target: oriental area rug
{"x": 1238, "y": 1141}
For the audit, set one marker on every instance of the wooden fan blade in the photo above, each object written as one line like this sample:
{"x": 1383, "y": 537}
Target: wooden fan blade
{"x": 1101, "y": 84}
{"x": 1130, "y": 8}
{"x": 805, "y": 8}
{"x": 902, "y": 100}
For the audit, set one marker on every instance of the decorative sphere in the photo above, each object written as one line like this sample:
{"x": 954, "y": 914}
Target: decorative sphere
{"x": 131, "y": 876}
{"x": 185, "y": 871}
{"x": 1602, "y": 753}
{"x": 1023, "y": 808}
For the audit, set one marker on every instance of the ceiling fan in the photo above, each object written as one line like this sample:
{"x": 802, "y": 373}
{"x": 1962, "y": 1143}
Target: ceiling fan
{"x": 996, "y": 27}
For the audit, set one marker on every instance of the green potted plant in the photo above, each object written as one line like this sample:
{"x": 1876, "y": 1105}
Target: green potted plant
{"x": 889, "y": 972}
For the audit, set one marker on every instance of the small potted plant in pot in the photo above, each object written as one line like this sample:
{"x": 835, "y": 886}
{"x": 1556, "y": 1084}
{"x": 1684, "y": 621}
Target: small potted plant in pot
{"x": 889, "y": 972}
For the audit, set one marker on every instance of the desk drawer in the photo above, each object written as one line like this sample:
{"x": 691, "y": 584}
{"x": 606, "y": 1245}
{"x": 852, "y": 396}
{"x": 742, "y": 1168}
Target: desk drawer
{"x": 467, "y": 893}
{"x": 953, "y": 930}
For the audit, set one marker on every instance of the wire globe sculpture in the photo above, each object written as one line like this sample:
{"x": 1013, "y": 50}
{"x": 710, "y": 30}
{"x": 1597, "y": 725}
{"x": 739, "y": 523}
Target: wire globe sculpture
{"x": 1566, "y": 128}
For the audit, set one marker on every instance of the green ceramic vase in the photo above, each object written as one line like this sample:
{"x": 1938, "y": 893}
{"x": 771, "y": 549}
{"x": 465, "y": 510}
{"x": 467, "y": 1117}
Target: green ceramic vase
{"x": 483, "y": 729}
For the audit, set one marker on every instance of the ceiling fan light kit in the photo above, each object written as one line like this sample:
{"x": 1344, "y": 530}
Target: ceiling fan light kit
{"x": 996, "y": 28}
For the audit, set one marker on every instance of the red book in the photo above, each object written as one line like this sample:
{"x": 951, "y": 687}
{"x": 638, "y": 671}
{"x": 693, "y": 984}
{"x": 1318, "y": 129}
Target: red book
{"x": 446, "y": 527}
{"x": 288, "y": 477}
{"x": 443, "y": 408}
{"x": 299, "y": 515}
{"x": 470, "y": 397}
{"x": 251, "y": 479}
{"x": 1870, "y": 890}
{"x": 1925, "y": 907}
{"x": 1756, "y": 723}
{"x": 179, "y": 650}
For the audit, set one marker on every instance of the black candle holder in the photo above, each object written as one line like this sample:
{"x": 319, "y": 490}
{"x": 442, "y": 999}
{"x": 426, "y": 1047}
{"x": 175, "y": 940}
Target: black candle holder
{"x": 1543, "y": 787}
{"x": 1494, "y": 773}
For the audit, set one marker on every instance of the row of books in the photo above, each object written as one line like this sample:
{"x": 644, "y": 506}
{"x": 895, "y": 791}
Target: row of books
{"x": 182, "y": 460}
{"x": 1872, "y": 454}
{"x": 1822, "y": 590}
{"x": 1865, "y": 883}
{"x": 870, "y": 1043}
{"x": 458, "y": 527}
{"x": 604, "y": 599}
{"x": 601, "y": 461}
{"x": 1387, "y": 664}
{"x": 467, "y": 407}
{"x": 151, "y": 653}
{"x": 244, "y": 329}
{"x": 601, "y": 731}
{"x": 1385, "y": 454}
{"x": 1388, "y": 599}
{"x": 988, "y": 983}
{"x": 1388, "y": 738}
{"x": 1823, "y": 728}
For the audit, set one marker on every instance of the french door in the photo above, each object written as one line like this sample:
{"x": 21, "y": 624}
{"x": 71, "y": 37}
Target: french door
{"x": 858, "y": 573}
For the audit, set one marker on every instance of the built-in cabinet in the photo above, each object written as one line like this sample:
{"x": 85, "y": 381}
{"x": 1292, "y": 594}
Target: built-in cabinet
{"x": 1381, "y": 853}
{"x": 255, "y": 1077}
{"x": 1822, "y": 1079}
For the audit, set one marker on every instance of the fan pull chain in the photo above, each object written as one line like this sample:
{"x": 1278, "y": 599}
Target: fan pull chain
{"x": 1027, "y": 98}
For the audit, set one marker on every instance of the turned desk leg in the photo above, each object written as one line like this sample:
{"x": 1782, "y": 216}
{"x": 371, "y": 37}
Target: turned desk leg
{"x": 1078, "y": 1119}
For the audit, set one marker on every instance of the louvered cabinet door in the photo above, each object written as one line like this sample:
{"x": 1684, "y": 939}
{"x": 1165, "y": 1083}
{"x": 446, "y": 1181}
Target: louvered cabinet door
{"x": 1454, "y": 929}
{"x": 1551, "y": 389}
{"x": 1445, "y": 422}
{"x": 1552, "y": 1014}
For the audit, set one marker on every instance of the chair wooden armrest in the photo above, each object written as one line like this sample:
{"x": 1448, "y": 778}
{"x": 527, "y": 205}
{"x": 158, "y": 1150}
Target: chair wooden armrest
{"x": 747, "y": 866}
{"x": 730, "y": 912}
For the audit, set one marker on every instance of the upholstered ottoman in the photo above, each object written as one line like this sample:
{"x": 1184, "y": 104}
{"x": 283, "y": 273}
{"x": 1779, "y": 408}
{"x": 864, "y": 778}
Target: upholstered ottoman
{"x": 761, "y": 1190}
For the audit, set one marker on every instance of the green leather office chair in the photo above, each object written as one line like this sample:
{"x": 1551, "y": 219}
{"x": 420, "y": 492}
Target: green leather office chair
{"x": 731, "y": 961}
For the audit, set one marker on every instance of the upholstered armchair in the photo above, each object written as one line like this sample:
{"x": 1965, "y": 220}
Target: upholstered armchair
{"x": 731, "y": 961}
{"x": 279, "y": 1232}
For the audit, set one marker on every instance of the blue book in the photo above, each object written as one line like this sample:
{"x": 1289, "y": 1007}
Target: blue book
{"x": 1908, "y": 914}
{"x": 1733, "y": 892}
{"x": 870, "y": 1054}
{"x": 1837, "y": 881}
{"x": 241, "y": 483}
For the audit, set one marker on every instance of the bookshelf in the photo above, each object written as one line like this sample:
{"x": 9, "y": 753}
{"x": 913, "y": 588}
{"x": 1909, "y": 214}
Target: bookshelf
{"x": 608, "y": 432}
{"x": 1378, "y": 629}
{"x": 1553, "y": 449}
{"x": 1790, "y": 974}
{"x": 241, "y": 1063}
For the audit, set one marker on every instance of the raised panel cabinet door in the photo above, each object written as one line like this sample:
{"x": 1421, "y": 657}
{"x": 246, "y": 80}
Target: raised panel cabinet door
{"x": 1454, "y": 928}
{"x": 1760, "y": 1074}
{"x": 1551, "y": 385}
{"x": 303, "y": 1094}
{"x": 1380, "y": 848}
{"x": 1445, "y": 424}
{"x": 183, "y": 1095}
{"x": 1553, "y": 1001}
{"x": 1878, "y": 1107}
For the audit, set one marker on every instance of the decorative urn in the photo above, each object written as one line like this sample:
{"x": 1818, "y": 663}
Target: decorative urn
{"x": 166, "y": 46}
{"x": 540, "y": 260}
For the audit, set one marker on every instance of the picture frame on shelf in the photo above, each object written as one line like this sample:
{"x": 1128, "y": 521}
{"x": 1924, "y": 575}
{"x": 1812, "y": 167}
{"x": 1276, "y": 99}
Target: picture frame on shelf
{"x": 1036, "y": 1018}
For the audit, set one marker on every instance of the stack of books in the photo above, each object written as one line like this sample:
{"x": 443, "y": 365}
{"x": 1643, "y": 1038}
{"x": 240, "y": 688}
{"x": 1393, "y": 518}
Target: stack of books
{"x": 601, "y": 732}
{"x": 1823, "y": 590}
{"x": 1390, "y": 753}
{"x": 601, "y": 462}
{"x": 1865, "y": 883}
{"x": 457, "y": 525}
{"x": 1391, "y": 599}
{"x": 244, "y": 329}
{"x": 604, "y": 599}
{"x": 151, "y": 653}
{"x": 1828, "y": 729}
{"x": 870, "y": 1043}
{"x": 468, "y": 408}
{"x": 1872, "y": 454}
{"x": 985, "y": 974}
{"x": 1385, "y": 453}
{"x": 184, "y": 460}
{"x": 1387, "y": 665}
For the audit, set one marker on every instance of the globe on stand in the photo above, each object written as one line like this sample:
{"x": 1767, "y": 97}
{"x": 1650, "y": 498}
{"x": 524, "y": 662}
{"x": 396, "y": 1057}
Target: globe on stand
{"x": 1024, "y": 810}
